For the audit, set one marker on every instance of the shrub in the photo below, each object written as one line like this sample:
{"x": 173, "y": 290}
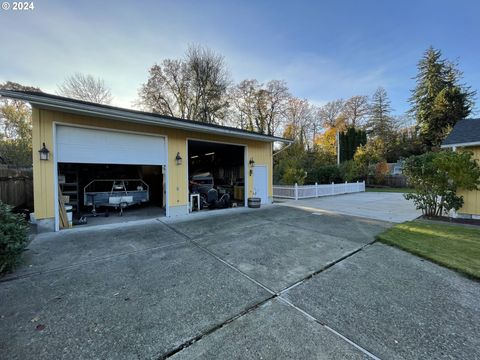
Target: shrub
{"x": 13, "y": 238}
{"x": 294, "y": 175}
{"x": 351, "y": 171}
{"x": 436, "y": 178}
{"x": 370, "y": 153}
{"x": 328, "y": 174}
{"x": 381, "y": 172}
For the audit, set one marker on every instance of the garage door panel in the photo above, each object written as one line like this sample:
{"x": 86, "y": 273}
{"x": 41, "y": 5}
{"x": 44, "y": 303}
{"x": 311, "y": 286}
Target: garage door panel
{"x": 92, "y": 146}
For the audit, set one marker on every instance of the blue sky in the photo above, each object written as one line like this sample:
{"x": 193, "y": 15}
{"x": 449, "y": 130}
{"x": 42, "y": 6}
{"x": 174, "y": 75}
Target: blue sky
{"x": 324, "y": 50}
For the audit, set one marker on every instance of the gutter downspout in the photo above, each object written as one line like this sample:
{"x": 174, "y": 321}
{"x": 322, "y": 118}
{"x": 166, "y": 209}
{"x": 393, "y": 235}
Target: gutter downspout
{"x": 454, "y": 213}
{"x": 285, "y": 148}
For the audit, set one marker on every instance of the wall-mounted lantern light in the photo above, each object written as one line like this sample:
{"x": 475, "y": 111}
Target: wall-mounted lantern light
{"x": 178, "y": 159}
{"x": 251, "y": 163}
{"x": 44, "y": 153}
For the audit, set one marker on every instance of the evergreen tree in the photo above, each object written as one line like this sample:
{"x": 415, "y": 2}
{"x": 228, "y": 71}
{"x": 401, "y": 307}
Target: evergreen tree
{"x": 349, "y": 141}
{"x": 380, "y": 122}
{"x": 439, "y": 100}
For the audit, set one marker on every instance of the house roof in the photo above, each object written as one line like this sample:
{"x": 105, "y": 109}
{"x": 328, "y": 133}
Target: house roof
{"x": 466, "y": 132}
{"x": 59, "y": 103}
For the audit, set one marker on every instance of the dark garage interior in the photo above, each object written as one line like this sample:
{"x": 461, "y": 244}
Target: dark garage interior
{"x": 111, "y": 193}
{"x": 216, "y": 172}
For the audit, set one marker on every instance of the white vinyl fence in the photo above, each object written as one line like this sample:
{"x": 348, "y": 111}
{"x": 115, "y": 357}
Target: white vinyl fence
{"x": 312, "y": 191}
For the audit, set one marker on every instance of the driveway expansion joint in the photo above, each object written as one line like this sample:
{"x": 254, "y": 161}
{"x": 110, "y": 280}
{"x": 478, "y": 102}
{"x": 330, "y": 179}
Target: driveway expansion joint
{"x": 214, "y": 328}
{"x": 274, "y": 295}
{"x": 343, "y": 337}
{"x": 86, "y": 262}
{"x": 195, "y": 243}
{"x": 326, "y": 267}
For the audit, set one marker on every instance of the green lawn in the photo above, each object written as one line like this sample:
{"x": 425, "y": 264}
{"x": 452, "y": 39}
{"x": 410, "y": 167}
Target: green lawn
{"x": 453, "y": 246}
{"x": 389, "y": 189}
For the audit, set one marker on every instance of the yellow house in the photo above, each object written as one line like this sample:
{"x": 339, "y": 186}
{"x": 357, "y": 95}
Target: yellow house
{"x": 85, "y": 154}
{"x": 466, "y": 135}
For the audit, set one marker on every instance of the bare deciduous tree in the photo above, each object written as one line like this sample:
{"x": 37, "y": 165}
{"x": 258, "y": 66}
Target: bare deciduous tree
{"x": 210, "y": 83}
{"x": 260, "y": 107}
{"x": 330, "y": 112}
{"x": 192, "y": 88}
{"x": 271, "y": 106}
{"x": 356, "y": 109}
{"x": 300, "y": 118}
{"x": 85, "y": 87}
{"x": 243, "y": 100}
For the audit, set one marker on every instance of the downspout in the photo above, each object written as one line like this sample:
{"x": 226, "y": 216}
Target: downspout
{"x": 285, "y": 148}
{"x": 454, "y": 212}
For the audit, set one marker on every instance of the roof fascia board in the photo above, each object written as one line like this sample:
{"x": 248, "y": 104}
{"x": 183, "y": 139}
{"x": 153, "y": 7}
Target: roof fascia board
{"x": 125, "y": 115}
{"x": 466, "y": 144}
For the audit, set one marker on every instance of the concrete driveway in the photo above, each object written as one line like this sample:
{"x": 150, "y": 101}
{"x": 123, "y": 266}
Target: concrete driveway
{"x": 383, "y": 206}
{"x": 273, "y": 283}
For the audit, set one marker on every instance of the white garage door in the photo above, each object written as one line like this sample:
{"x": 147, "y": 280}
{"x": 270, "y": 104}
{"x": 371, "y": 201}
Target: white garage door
{"x": 92, "y": 146}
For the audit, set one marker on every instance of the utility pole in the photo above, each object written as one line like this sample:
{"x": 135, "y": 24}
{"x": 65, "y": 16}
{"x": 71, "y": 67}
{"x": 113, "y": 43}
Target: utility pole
{"x": 337, "y": 139}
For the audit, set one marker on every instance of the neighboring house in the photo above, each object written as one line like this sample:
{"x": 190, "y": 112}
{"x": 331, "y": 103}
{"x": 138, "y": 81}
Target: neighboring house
{"x": 466, "y": 135}
{"x": 398, "y": 168}
{"x": 87, "y": 141}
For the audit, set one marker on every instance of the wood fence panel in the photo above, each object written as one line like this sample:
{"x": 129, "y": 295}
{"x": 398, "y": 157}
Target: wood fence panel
{"x": 16, "y": 186}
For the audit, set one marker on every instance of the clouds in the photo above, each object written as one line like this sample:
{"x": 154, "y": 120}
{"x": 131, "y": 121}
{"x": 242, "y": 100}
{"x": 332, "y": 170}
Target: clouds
{"x": 312, "y": 76}
{"x": 323, "y": 51}
{"x": 323, "y": 79}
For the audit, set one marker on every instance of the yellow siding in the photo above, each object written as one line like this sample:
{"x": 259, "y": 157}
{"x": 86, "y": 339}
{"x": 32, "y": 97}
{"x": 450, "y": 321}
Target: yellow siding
{"x": 177, "y": 142}
{"x": 471, "y": 199}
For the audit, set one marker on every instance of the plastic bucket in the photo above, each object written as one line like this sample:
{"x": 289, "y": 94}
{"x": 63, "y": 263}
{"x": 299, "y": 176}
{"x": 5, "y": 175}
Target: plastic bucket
{"x": 68, "y": 209}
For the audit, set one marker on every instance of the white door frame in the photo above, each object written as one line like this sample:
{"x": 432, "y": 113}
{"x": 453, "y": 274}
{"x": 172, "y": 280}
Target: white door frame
{"x": 245, "y": 165}
{"x": 55, "y": 163}
{"x": 266, "y": 180}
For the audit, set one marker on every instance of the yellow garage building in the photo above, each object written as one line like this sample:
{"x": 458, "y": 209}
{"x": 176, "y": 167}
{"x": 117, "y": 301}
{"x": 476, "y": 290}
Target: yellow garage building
{"x": 98, "y": 160}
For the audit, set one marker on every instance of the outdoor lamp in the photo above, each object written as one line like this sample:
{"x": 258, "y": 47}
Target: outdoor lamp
{"x": 44, "y": 152}
{"x": 251, "y": 162}
{"x": 178, "y": 159}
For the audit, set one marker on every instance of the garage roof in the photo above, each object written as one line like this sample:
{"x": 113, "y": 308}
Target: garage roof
{"x": 59, "y": 103}
{"x": 466, "y": 132}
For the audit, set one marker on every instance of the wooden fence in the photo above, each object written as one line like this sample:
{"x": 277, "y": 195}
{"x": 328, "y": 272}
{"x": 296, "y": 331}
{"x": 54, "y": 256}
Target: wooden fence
{"x": 397, "y": 181}
{"x": 16, "y": 186}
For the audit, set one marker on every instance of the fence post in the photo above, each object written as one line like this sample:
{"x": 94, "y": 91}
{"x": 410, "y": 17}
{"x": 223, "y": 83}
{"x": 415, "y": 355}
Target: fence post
{"x": 333, "y": 188}
{"x": 345, "y": 188}
{"x": 358, "y": 186}
{"x": 363, "y": 186}
{"x": 296, "y": 191}
{"x": 316, "y": 190}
